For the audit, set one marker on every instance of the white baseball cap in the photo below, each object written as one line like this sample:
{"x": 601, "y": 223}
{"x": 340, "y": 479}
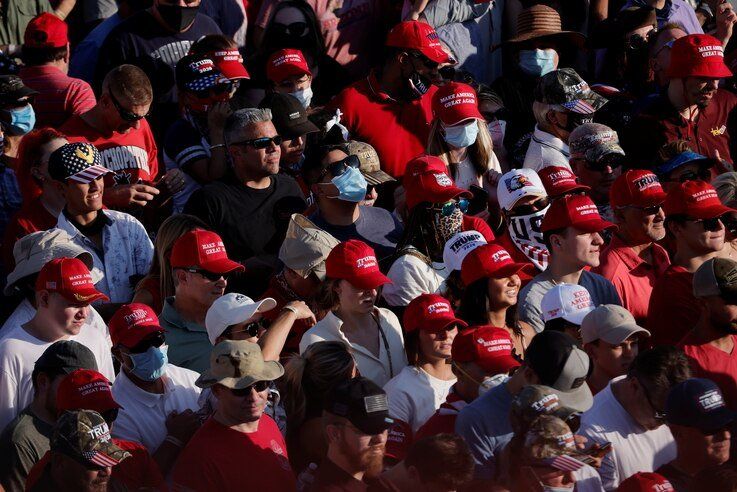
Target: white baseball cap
{"x": 232, "y": 309}
{"x": 611, "y": 323}
{"x": 568, "y": 301}
{"x": 516, "y": 184}
{"x": 458, "y": 246}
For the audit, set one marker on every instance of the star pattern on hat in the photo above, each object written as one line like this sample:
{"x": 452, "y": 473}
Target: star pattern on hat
{"x": 82, "y": 162}
{"x": 205, "y": 83}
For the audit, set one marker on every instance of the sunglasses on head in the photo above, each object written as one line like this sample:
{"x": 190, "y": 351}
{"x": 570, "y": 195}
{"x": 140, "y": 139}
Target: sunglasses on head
{"x": 126, "y": 114}
{"x": 262, "y": 142}
{"x": 211, "y": 276}
{"x": 530, "y": 208}
{"x": 259, "y": 386}
{"x": 710, "y": 225}
{"x": 217, "y": 90}
{"x": 251, "y": 328}
{"x": 447, "y": 208}
{"x": 338, "y": 168}
{"x": 156, "y": 340}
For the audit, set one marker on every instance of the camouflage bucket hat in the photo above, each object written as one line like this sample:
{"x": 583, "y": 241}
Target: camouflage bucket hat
{"x": 85, "y": 436}
{"x": 564, "y": 87}
{"x": 238, "y": 365}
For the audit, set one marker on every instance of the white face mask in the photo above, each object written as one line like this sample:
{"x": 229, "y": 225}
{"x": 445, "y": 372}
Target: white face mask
{"x": 461, "y": 136}
{"x": 304, "y": 96}
{"x": 491, "y": 382}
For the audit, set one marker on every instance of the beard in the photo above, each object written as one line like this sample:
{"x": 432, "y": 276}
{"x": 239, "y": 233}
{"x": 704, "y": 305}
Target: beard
{"x": 370, "y": 461}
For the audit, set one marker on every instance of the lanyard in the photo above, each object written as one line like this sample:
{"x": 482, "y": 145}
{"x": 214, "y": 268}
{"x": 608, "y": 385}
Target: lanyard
{"x": 386, "y": 344}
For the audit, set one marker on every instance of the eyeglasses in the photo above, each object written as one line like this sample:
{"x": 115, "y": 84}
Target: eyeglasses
{"x": 429, "y": 64}
{"x": 637, "y": 41}
{"x": 251, "y": 328}
{"x": 710, "y": 225}
{"x": 659, "y": 415}
{"x": 611, "y": 161}
{"x": 211, "y": 276}
{"x": 156, "y": 340}
{"x": 215, "y": 90}
{"x": 262, "y": 142}
{"x": 126, "y": 114}
{"x": 530, "y": 208}
{"x": 338, "y": 168}
{"x": 700, "y": 175}
{"x": 259, "y": 386}
{"x": 447, "y": 208}
{"x": 651, "y": 210}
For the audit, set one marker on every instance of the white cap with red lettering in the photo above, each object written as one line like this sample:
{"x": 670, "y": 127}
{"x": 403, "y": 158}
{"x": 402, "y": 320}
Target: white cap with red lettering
{"x": 568, "y": 301}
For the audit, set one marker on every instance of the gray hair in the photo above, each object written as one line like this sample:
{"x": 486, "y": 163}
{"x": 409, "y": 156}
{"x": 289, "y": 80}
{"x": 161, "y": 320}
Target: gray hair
{"x": 541, "y": 110}
{"x": 242, "y": 118}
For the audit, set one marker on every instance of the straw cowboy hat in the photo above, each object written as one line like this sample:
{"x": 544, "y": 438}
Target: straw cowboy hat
{"x": 541, "y": 21}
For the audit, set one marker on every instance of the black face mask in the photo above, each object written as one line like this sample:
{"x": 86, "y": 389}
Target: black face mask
{"x": 416, "y": 85}
{"x": 176, "y": 17}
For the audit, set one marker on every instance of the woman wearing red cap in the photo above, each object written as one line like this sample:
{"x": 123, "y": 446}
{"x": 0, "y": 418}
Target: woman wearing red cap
{"x": 349, "y": 294}
{"x": 493, "y": 282}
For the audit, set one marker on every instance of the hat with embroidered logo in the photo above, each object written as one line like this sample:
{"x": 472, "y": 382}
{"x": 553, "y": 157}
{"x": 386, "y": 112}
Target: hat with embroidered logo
{"x": 646, "y": 482}
{"x": 197, "y": 73}
{"x": 362, "y": 402}
{"x": 457, "y": 247}
{"x": 695, "y": 199}
{"x": 535, "y": 400}
{"x": 418, "y": 36}
{"x": 490, "y": 261}
{"x": 488, "y": 347}
{"x": 70, "y": 278}
{"x": 455, "y": 103}
{"x": 559, "y": 181}
{"x": 516, "y": 184}
{"x": 85, "y": 436}
{"x": 85, "y": 388}
{"x": 230, "y": 64}
{"x": 572, "y": 302}
{"x": 355, "y": 261}
{"x": 426, "y": 179}
{"x": 594, "y": 142}
{"x": 716, "y": 277}
{"x": 232, "y": 309}
{"x": 638, "y": 188}
{"x": 202, "y": 249}
{"x": 565, "y": 87}
{"x": 288, "y": 115}
{"x": 133, "y": 322}
{"x": 697, "y": 55}
{"x": 577, "y": 211}
{"x": 430, "y": 312}
{"x": 370, "y": 164}
{"x": 78, "y": 161}
{"x": 286, "y": 63}
{"x": 698, "y": 403}
{"x": 46, "y": 30}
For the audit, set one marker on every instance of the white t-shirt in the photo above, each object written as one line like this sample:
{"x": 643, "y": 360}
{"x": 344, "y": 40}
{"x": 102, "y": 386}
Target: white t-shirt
{"x": 634, "y": 449}
{"x": 546, "y": 150}
{"x": 466, "y": 174}
{"x": 19, "y": 351}
{"x": 143, "y": 416}
{"x": 587, "y": 480}
{"x": 414, "y": 395}
{"x": 411, "y": 277}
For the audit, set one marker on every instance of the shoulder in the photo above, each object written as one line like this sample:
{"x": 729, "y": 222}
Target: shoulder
{"x": 390, "y": 318}
{"x": 182, "y": 375}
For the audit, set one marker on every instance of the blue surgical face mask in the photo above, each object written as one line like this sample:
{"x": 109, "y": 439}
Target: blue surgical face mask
{"x": 537, "y": 62}
{"x": 22, "y": 120}
{"x": 151, "y": 364}
{"x": 304, "y": 96}
{"x": 351, "y": 185}
{"x": 461, "y": 136}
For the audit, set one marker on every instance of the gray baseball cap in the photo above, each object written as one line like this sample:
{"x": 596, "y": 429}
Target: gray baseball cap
{"x": 611, "y": 323}
{"x": 593, "y": 141}
{"x": 716, "y": 277}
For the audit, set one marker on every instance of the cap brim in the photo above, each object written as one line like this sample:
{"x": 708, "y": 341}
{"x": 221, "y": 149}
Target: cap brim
{"x": 110, "y": 452}
{"x": 622, "y": 333}
{"x": 134, "y": 337}
{"x": 711, "y": 212}
{"x": 89, "y": 174}
{"x": 596, "y": 225}
{"x": 557, "y": 191}
{"x": 377, "y": 177}
{"x": 289, "y": 71}
{"x": 586, "y": 105}
{"x": 299, "y": 129}
{"x": 499, "y": 365}
{"x": 719, "y": 419}
{"x": 233, "y": 71}
{"x": 512, "y": 269}
{"x": 579, "y": 399}
{"x": 374, "y": 425}
{"x": 443, "y": 323}
{"x": 372, "y": 280}
{"x": 82, "y": 296}
{"x": 223, "y": 265}
{"x": 272, "y": 370}
{"x": 435, "y": 54}
{"x": 577, "y": 317}
{"x": 717, "y": 70}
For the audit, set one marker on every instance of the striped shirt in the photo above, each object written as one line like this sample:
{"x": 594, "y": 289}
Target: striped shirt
{"x": 59, "y": 96}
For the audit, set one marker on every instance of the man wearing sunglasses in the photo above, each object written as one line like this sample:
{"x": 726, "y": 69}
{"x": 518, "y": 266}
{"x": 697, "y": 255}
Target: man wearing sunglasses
{"x": 633, "y": 261}
{"x": 701, "y": 423}
{"x": 158, "y": 400}
{"x": 239, "y": 444}
{"x": 659, "y": 53}
{"x": 684, "y": 165}
{"x": 692, "y": 216}
{"x": 628, "y": 413}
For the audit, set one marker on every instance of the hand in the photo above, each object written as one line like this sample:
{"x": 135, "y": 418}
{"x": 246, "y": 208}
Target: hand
{"x": 182, "y": 425}
{"x": 722, "y": 165}
{"x": 725, "y": 20}
{"x": 132, "y": 194}
{"x": 334, "y": 5}
{"x": 418, "y": 6}
{"x": 173, "y": 180}
{"x": 217, "y": 115}
{"x": 303, "y": 311}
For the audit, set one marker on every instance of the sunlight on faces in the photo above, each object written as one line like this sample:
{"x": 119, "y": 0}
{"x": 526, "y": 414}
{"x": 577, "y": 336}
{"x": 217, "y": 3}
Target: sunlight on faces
{"x": 642, "y": 227}
{"x": 239, "y": 332}
{"x": 294, "y": 83}
{"x": 115, "y": 120}
{"x": 503, "y": 291}
{"x": 76, "y": 476}
{"x": 41, "y": 171}
{"x": 198, "y": 288}
{"x": 699, "y": 240}
{"x": 82, "y": 198}
{"x": 599, "y": 181}
{"x": 293, "y": 150}
{"x": 252, "y": 161}
{"x": 699, "y": 90}
{"x": 580, "y": 247}
{"x": 437, "y": 344}
{"x": 355, "y": 300}
{"x": 242, "y": 409}
{"x": 614, "y": 360}
{"x": 325, "y": 185}
{"x": 70, "y": 316}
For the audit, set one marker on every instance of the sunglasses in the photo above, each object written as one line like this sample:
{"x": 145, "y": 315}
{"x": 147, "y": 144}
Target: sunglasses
{"x": 126, "y": 114}
{"x": 251, "y": 328}
{"x": 447, "y": 208}
{"x": 294, "y": 29}
{"x": 531, "y": 208}
{"x": 216, "y": 90}
{"x": 710, "y": 225}
{"x": 429, "y": 64}
{"x": 700, "y": 175}
{"x": 611, "y": 161}
{"x": 651, "y": 210}
{"x": 261, "y": 143}
{"x": 259, "y": 386}
{"x": 211, "y": 276}
{"x": 156, "y": 340}
{"x": 338, "y": 168}
{"x": 637, "y": 41}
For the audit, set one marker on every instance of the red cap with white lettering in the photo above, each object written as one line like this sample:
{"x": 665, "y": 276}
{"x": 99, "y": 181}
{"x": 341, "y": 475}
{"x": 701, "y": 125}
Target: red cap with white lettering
{"x": 85, "y": 389}
{"x": 355, "y": 261}
{"x": 420, "y": 36}
{"x": 577, "y": 211}
{"x": 559, "y": 181}
{"x": 202, "y": 249}
{"x": 430, "y": 312}
{"x": 697, "y": 55}
{"x": 286, "y": 63}
{"x": 426, "y": 179}
{"x": 70, "y": 278}
{"x": 490, "y": 261}
{"x": 230, "y": 64}
{"x": 455, "y": 102}
{"x": 488, "y": 347}
{"x": 131, "y": 323}
{"x": 695, "y": 199}
{"x": 638, "y": 188}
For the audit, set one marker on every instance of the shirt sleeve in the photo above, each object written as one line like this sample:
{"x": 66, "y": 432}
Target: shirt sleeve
{"x": 8, "y": 398}
{"x": 184, "y": 145}
{"x": 529, "y": 307}
{"x": 479, "y": 442}
{"x": 16, "y": 464}
{"x": 144, "y": 248}
{"x": 153, "y": 153}
{"x": 81, "y": 98}
{"x": 409, "y": 280}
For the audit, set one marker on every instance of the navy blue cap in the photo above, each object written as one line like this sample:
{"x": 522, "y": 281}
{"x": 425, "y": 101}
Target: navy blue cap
{"x": 687, "y": 157}
{"x": 698, "y": 403}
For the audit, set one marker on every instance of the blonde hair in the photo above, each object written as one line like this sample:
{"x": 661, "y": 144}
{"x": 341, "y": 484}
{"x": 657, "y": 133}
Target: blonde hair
{"x": 480, "y": 152}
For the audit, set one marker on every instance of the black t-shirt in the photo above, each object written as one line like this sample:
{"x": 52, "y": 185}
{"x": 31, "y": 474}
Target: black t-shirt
{"x": 681, "y": 481}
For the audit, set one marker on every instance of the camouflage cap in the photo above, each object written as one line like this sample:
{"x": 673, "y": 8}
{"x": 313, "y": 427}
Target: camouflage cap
{"x": 85, "y": 436}
{"x": 564, "y": 87}
{"x": 548, "y": 440}
{"x": 593, "y": 141}
{"x": 535, "y": 400}
{"x": 370, "y": 165}
{"x": 238, "y": 364}
{"x": 12, "y": 89}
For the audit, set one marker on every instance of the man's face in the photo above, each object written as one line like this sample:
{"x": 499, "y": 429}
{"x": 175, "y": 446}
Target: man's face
{"x": 437, "y": 344}
{"x": 83, "y": 198}
{"x": 292, "y": 150}
{"x": 67, "y": 315}
{"x": 581, "y": 247}
{"x": 363, "y": 451}
{"x": 597, "y": 175}
{"x": 722, "y": 314}
{"x": 416, "y": 62}
{"x": 325, "y": 185}
{"x": 613, "y": 360}
{"x": 566, "y": 121}
{"x": 643, "y": 224}
{"x": 547, "y": 476}
{"x": 242, "y": 405}
{"x": 122, "y": 115}
{"x": 697, "y": 236}
{"x": 712, "y": 449}
{"x": 660, "y": 58}
{"x": 699, "y": 90}
{"x": 686, "y": 172}
{"x": 252, "y": 161}
{"x": 198, "y": 287}
{"x": 76, "y": 476}
{"x": 294, "y": 83}
{"x": 648, "y": 405}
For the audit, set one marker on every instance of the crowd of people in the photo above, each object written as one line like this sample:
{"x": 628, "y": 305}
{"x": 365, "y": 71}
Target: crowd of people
{"x": 368, "y": 245}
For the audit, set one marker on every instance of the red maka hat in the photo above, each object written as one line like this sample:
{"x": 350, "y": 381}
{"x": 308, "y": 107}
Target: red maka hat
{"x": 426, "y": 179}
{"x": 638, "y": 188}
{"x": 577, "y": 211}
{"x": 416, "y": 35}
{"x": 646, "y": 482}
{"x": 70, "y": 278}
{"x": 46, "y": 31}
{"x": 202, "y": 249}
{"x": 430, "y": 312}
{"x": 488, "y": 347}
{"x": 696, "y": 199}
{"x": 132, "y": 323}
{"x": 455, "y": 102}
{"x": 355, "y": 261}
{"x": 85, "y": 389}
{"x": 285, "y": 63}
{"x": 559, "y": 181}
{"x": 230, "y": 64}
{"x": 697, "y": 55}
{"x": 490, "y": 261}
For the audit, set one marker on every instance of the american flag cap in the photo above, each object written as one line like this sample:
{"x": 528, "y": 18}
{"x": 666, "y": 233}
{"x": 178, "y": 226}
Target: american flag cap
{"x": 85, "y": 436}
{"x": 566, "y": 88}
{"x": 79, "y": 161}
{"x": 549, "y": 441}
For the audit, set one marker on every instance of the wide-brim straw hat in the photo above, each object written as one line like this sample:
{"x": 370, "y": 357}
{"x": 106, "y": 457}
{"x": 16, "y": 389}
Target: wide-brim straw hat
{"x": 541, "y": 21}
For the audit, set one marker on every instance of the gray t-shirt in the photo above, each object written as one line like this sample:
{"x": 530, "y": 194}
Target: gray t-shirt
{"x": 23, "y": 442}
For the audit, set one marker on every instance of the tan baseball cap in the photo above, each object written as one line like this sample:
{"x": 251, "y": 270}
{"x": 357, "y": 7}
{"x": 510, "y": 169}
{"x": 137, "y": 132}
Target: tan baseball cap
{"x": 370, "y": 164}
{"x": 237, "y": 364}
{"x": 716, "y": 277}
{"x": 611, "y": 323}
{"x": 306, "y": 247}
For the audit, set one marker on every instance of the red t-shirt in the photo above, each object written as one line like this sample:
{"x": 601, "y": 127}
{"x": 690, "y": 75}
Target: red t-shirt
{"x": 398, "y": 130}
{"x": 131, "y": 156}
{"x": 220, "y": 458}
{"x": 673, "y": 309}
{"x": 708, "y": 361}
{"x": 59, "y": 96}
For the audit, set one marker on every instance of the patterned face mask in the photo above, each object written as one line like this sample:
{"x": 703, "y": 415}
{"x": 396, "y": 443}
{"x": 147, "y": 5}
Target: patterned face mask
{"x": 449, "y": 226}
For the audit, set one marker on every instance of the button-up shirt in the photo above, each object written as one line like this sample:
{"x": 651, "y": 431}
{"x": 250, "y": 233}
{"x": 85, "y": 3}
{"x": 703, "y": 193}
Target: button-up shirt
{"x": 632, "y": 276}
{"x": 126, "y": 252}
{"x": 189, "y": 345}
{"x": 546, "y": 150}
{"x": 378, "y": 369}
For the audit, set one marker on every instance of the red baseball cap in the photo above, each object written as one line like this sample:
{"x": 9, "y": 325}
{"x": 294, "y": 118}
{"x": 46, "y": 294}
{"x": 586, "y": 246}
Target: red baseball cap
{"x": 355, "y": 261}
{"x": 488, "y": 347}
{"x": 636, "y": 187}
{"x": 230, "y": 64}
{"x": 577, "y": 211}
{"x": 285, "y": 63}
{"x": 416, "y": 35}
{"x": 697, "y": 55}
{"x": 490, "y": 261}
{"x": 455, "y": 102}
{"x": 696, "y": 199}
{"x": 430, "y": 312}
{"x": 203, "y": 249}
{"x": 426, "y": 179}
{"x": 131, "y": 323}
{"x": 85, "y": 389}
{"x": 646, "y": 482}
{"x": 559, "y": 181}
{"x": 46, "y": 31}
{"x": 71, "y": 278}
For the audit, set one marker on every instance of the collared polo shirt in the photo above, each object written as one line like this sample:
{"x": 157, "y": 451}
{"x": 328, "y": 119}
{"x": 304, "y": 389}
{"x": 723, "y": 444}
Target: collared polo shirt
{"x": 59, "y": 96}
{"x": 398, "y": 130}
{"x": 189, "y": 346}
{"x": 673, "y": 309}
{"x": 142, "y": 417}
{"x": 632, "y": 276}
{"x": 711, "y": 362}
{"x": 546, "y": 150}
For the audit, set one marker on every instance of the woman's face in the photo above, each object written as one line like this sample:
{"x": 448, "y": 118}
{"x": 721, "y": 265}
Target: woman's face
{"x": 503, "y": 291}
{"x": 355, "y": 300}
{"x": 436, "y": 345}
